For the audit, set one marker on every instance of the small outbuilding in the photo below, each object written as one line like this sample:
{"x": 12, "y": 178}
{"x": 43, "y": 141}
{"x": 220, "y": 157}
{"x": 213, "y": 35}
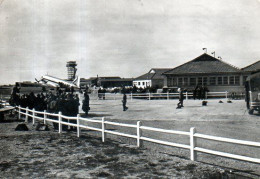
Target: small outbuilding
{"x": 153, "y": 78}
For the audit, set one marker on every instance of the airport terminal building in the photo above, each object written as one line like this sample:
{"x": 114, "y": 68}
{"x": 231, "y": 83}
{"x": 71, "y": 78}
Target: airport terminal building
{"x": 206, "y": 70}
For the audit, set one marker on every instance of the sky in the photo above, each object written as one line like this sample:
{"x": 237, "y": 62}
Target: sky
{"x": 123, "y": 38}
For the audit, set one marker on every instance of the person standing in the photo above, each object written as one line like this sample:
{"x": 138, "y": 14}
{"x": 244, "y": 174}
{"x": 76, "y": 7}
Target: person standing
{"x": 200, "y": 93}
{"x": 77, "y": 104}
{"x": 14, "y": 99}
{"x": 124, "y": 102}
{"x": 85, "y": 105}
{"x": 195, "y": 92}
{"x": 181, "y": 98}
{"x": 99, "y": 93}
{"x": 204, "y": 91}
{"x": 71, "y": 89}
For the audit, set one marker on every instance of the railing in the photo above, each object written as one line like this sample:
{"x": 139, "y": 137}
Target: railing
{"x": 192, "y": 134}
{"x": 150, "y": 96}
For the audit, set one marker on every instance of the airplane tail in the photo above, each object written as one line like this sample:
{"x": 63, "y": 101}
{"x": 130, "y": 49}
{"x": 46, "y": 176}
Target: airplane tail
{"x": 77, "y": 81}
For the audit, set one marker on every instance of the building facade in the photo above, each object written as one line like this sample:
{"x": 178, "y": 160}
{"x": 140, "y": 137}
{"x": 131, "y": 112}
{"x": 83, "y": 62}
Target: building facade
{"x": 153, "y": 78}
{"x": 111, "y": 82}
{"x": 107, "y": 82}
{"x": 206, "y": 70}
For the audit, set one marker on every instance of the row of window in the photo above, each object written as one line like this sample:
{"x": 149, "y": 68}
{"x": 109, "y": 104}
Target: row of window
{"x": 141, "y": 83}
{"x": 193, "y": 81}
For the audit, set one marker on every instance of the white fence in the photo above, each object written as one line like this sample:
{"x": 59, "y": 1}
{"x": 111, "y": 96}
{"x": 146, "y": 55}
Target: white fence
{"x": 150, "y": 96}
{"x": 192, "y": 134}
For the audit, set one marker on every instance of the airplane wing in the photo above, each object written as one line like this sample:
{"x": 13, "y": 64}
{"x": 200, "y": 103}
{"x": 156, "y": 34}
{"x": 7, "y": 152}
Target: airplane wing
{"x": 55, "y": 80}
{"x": 6, "y": 109}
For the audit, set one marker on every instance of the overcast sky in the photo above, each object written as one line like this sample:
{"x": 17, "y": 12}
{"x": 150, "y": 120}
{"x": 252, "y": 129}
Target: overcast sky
{"x": 122, "y": 37}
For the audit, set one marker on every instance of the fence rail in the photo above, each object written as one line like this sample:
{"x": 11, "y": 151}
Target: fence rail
{"x": 150, "y": 96}
{"x": 192, "y": 134}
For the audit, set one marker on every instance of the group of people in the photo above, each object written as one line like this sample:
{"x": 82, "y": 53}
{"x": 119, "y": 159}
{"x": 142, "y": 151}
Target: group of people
{"x": 200, "y": 92}
{"x": 67, "y": 103}
{"x": 101, "y": 93}
{"x": 60, "y": 101}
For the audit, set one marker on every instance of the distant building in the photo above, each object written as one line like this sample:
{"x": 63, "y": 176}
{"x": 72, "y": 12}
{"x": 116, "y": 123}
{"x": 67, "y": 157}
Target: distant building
{"x": 206, "y": 70}
{"x": 107, "y": 82}
{"x": 153, "y": 78}
{"x": 71, "y": 68}
{"x": 250, "y": 69}
{"x": 88, "y": 82}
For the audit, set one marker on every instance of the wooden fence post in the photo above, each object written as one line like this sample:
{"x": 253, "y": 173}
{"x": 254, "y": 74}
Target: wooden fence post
{"x": 60, "y": 126}
{"x": 69, "y": 127}
{"x": 226, "y": 94}
{"x": 19, "y": 112}
{"x": 186, "y": 95}
{"x": 149, "y": 96}
{"x": 168, "y": 95}
{"x": 33, "y": 116}
{"x": 131, "y": 96}
{"x": 193, "y": 154}
{"x": 78, "y": 127}
{"x": 139, "y": 133}
{"x": 206, "y": 95}
{"x": 26, "y": 116}
{"x": 44, "y": 117}
{"x": 103, "y": 129}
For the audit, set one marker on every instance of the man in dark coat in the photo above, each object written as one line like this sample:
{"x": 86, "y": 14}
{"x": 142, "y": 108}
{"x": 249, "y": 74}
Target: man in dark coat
{"x": 85, "y": 105}
{"x": 77, "y": 104}
{"x": 204, "y": 91}
{"x": 15, "y": 99}
{"x": 200, "y": 93}
{"x": 124, "y": 102}
{"x": 195, "y": 92}
{"x": 181, "y": 98}
{"x": 71, "y": 89}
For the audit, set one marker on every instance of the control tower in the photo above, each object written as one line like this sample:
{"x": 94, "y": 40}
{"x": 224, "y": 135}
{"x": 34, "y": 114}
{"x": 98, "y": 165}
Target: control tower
{"x": 71, "y": 66}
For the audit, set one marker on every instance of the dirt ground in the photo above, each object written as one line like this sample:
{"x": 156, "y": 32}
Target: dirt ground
{"x": 47, "y": 154}
{"x": 229, "y": 120}
{"x": 40, "y": 154}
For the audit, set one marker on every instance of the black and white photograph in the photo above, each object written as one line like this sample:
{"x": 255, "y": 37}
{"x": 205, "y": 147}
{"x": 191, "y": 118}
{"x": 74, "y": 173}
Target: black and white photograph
{"x": 130, "y": 89}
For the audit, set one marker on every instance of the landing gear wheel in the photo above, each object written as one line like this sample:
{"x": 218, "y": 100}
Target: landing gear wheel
{"x": 251, "y": 111}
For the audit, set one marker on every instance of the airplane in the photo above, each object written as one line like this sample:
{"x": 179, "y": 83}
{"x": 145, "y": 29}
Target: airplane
{"x": 54, "y": 81}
